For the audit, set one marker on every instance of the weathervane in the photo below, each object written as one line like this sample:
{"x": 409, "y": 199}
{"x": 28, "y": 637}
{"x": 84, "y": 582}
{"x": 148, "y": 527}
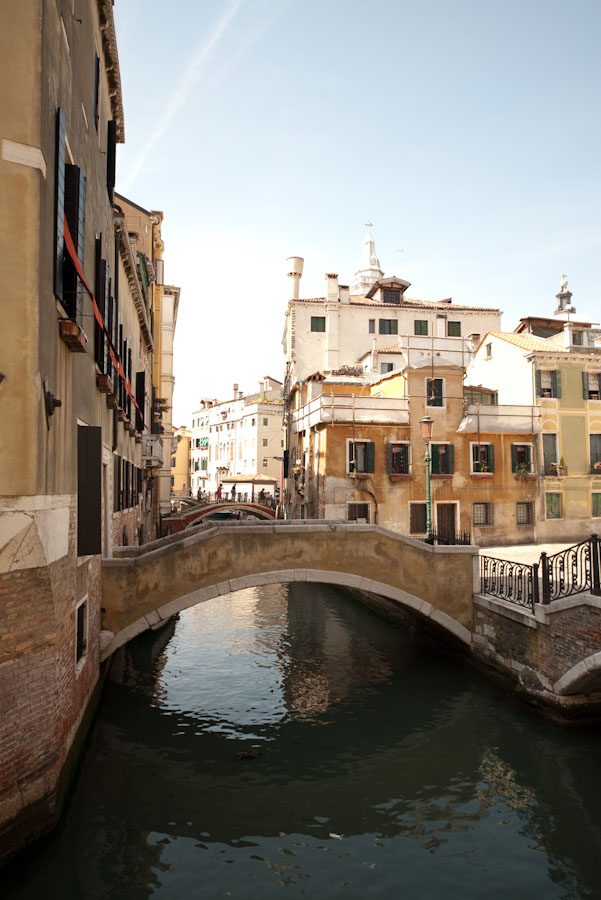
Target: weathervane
{"x": 369, "y": 225}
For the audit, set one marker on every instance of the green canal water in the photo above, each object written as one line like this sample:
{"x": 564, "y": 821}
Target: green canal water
{"x": 283, "y": 741}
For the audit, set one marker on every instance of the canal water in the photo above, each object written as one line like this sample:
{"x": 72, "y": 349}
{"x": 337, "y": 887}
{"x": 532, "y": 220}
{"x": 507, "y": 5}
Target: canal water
{"x": 283, "y": 741}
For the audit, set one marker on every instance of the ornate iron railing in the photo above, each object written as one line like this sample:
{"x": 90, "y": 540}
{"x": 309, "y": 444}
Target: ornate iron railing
{"x": 575, "y": 570}
{"x": 572, "y": 571}
{"x": 512, "y": 581}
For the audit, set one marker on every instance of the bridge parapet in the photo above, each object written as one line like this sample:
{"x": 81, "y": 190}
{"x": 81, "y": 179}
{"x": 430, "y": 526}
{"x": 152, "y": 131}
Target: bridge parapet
{"x": 143, "y": 586}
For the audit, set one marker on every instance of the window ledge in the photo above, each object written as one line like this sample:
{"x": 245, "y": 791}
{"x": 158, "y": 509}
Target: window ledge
{"x": 440, "y": 475}
{"x": 483, "y": 474}
{"x": 400, "y": 477}
{"x": 531, "y": 477}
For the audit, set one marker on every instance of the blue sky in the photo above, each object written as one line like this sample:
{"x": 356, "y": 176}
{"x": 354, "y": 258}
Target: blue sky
{"x": 467, "y": 132}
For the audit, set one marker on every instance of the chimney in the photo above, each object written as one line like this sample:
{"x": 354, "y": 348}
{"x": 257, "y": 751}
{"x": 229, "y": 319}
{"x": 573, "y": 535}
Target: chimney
{"x": 345, "y": 294}
{"x": 295, "y": 271}
{"x": 235, "y": 390}
{"x": 332, "y": 295}
{"x": 240, "y": 395}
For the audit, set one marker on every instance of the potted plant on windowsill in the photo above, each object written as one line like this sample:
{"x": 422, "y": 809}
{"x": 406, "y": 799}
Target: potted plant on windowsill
{"x": 522, "y": 472}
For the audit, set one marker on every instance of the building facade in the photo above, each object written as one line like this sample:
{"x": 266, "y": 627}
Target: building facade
{"x": 243, "y": 437}
{"x": 75, "y": 386}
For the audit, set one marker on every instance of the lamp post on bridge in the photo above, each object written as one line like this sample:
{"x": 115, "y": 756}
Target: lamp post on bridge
{"x": 425, "y": 425}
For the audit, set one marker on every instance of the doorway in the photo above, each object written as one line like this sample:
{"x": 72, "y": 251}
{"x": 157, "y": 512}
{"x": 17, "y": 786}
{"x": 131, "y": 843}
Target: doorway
{"x": 446, "y": 524}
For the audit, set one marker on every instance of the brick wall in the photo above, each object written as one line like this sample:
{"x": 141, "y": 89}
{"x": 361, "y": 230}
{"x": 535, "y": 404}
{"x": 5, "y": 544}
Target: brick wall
{"x": 43, "y": 693}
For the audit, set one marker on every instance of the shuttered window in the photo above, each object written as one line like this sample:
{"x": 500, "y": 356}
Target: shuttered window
{"x": 483, "y": 458}
{"x": 355, "y": 511}
{"x": 548, "y": 383}
{"x": 361, "y": 456}
{"x": 417, "y": 518}
{"x": 397, "y": 459}
{"x": 434, "y": 391}
{"x": 389, "y": 326}
{"x": 443, "y": 459}
{"x": 89, "y": 469}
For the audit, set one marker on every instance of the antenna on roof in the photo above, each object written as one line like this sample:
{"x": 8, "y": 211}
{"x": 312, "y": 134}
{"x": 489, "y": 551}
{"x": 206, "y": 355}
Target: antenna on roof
{"x": 369, "y": 224}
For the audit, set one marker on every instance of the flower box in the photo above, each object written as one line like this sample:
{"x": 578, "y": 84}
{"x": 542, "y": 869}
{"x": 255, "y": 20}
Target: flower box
{"x": 73, "y": 336}
{"x": 399, "y": 477}
{"x": 111, "y": 401}
{"x": 121, "y": 415}
{"x": 104, "y": 383}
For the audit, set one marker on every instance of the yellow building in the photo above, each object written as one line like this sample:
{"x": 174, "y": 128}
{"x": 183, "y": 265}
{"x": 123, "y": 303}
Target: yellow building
{"x": 180, "y": 462}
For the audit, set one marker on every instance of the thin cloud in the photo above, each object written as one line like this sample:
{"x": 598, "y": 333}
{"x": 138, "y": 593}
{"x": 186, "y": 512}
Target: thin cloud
{"x": 186, "y": 85}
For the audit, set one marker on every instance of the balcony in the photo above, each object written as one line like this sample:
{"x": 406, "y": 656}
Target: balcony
{"x": 595, "y": 468}
{"x": 500, "y": 420}
{"x": 329, "y": 408}
{"x": 152, "y": 451}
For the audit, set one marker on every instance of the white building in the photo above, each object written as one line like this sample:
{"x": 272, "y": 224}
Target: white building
{"x": 241, "y": 436}
{"x": 325, "y": 333}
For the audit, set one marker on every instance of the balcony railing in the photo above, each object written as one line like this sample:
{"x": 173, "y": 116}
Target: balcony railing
{"x": 595, "y": 468}
{"x": 328, "y": 408}
{"x": 500, "y": 420}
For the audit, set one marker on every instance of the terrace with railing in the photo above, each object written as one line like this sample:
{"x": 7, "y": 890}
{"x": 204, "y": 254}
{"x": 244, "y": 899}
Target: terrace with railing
{"x": 340, "y": 408}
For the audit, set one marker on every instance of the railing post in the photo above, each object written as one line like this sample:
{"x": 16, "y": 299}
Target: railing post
{"x": 595, "y": 561}
{"x": 535, "y": 591}
{"x": 544, "y": 562}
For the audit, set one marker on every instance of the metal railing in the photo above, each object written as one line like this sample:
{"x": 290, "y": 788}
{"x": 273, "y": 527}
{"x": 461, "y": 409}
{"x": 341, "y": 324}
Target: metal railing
{"x": 512, "y": 581}
{"x": 575, "y": 570}
{"x": 448, "y": 538}
{"x": 572, "y": 571}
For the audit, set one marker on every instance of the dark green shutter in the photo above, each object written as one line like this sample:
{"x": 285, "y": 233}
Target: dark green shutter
{"x": 585, "y": 387}
{"x": 370, "y": 454}
{"x": 100, "y": 294}
{"x": 60, "y": 204}
{"x": 435, "y": 463}
{"x": 537, "y": 382}
{"x": 556, "y": 383}
{"x": 389, "y": 458}
{"x": 450, "y": 459}
{"x": 490, "y": 457}
{"x": 96, "y": 90}
{"x": 514, "y": 457}
{"x": 394, "y": 326}
{"x": 89, "y": 473}
{"x": 140, "y": 389}
{"x": 111, "y": 148}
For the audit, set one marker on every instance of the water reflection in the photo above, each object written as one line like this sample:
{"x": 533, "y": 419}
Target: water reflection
{"x": 285, "y": 738}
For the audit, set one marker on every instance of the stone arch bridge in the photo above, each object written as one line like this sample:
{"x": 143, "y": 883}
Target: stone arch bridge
{"x": 550, "y": 655}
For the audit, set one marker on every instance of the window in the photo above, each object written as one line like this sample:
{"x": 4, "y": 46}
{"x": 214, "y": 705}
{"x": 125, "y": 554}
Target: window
{"x": 420, "y": 326}
{"x": 482, "y": 514}
{"x": 595, "y": 442}
{"x": 524, "y": 513}
{"x": 417, "y": 518}
{"x": 482, "y": 458}
{"x": 596, "y": 505}
{"x": 357, "y": 511}
{"x": 265, "y": 442}
{"x": 96, "y": 91}
{"x": 481, "y": 396}
{"x": 318, "y": 323}
{"x": 264, "y": 462}
{"x": 204, "y": 464}
{"x": 360, "y": 456}
{"x": 372, "y": 326}
{"x": 548, "y": 383}
{"x": 265, "y": 423}
{"x": 89, "y": 490}
{"x": 443, "y": 461}
{"x": 389, "y": 326}
{"x": 591, "y": 383}
{"x": 454, "y": 329}
{"x": 386, "y": 367}
{"x": 398, "y": 458}
{"x": 553, "y": 506}
{"x": 434, "y": 391}
{"x": 391, "y": 296}
{"x": 173, "y": 462}
{"x": 550, "y": 457}
{"x": 521, "y": 459}
{"x": 81, "y": 630}
{"x": 488, "y": 349}
{"x": 578, "y": 338}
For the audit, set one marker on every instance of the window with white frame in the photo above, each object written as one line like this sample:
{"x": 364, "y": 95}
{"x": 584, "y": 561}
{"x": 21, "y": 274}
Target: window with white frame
{"x": 442, "y": 459}
{"x": 482, "y": 457}
{"x": 386, "y": 367}
{"x": 548, "y": 383}
{"x": 591, "y": 384}
{"x": 360, "y": 456}
{"x": 522, "y": 459}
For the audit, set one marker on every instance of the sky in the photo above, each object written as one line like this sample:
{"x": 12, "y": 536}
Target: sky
{"x": 467, "y": 132}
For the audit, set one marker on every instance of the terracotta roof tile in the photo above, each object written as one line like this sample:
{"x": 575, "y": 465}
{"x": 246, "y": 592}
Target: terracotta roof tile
{"x": 406, "y": 303}
{"x": 528, "y": 341}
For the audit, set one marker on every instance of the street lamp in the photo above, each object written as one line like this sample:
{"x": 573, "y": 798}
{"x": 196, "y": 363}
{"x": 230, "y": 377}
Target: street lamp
{"x": 425, "y": 425}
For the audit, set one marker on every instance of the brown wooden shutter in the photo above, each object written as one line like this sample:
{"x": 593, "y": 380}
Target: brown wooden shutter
{"x": 89, "y": 492}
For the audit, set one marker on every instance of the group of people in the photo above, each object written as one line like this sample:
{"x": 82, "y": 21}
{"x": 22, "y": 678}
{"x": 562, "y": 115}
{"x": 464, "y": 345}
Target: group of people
{"x": 222, "y": 496}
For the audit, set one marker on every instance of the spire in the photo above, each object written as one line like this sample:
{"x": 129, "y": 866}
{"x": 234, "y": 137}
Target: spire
{"x": 564, "y": 297}
{"x": 369, "y": 270}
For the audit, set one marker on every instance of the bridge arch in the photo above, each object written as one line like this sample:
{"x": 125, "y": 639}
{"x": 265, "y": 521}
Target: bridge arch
{"x": 255, "y": 509}
{"x": 145, "y": 586}
{"x": 583, "y": 678}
